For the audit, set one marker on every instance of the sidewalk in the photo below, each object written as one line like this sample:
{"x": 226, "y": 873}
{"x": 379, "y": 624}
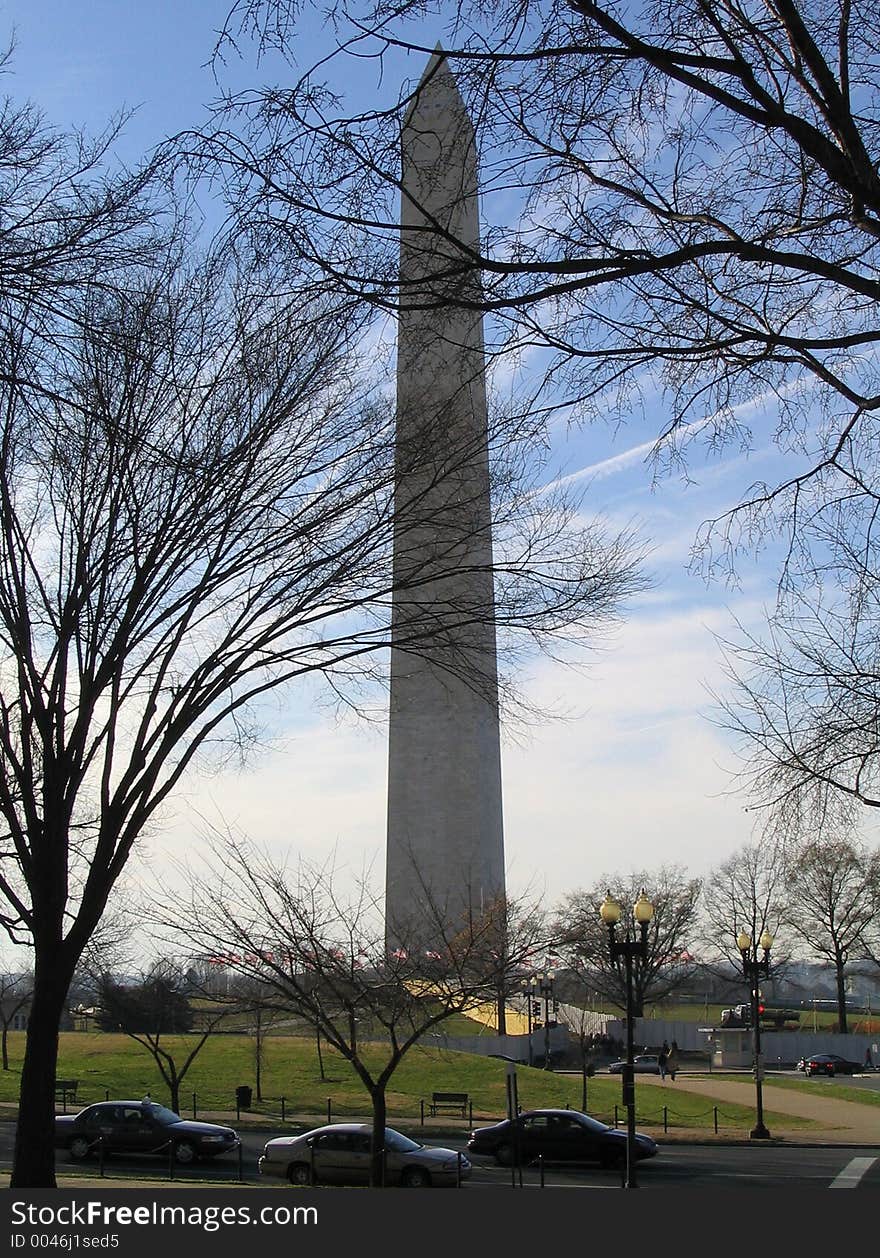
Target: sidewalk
{"x": 841, "y": 1122}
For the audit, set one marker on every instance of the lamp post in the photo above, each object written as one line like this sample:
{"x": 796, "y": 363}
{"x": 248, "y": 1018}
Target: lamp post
{"x": 753, "y": 969}
{"x": 545, "y": 984}
{"x": 629, "y": 948}
{"x": 530, "y": 988}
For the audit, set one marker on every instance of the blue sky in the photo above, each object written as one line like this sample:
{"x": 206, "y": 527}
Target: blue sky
{"x": 635, "y": 775}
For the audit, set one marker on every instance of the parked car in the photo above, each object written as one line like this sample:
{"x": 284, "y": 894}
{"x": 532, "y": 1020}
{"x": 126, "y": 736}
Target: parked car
{"x": 140, "y": 1127}
{"x": 340, "y": 1154}
{"x": 828, "y": 1064}
{"x": 559, "y": 1135}
{"x": 643, "y": 1064}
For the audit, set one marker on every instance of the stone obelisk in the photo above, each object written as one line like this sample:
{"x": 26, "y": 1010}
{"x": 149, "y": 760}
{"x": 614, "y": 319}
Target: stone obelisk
{"x": 445, "y": 852}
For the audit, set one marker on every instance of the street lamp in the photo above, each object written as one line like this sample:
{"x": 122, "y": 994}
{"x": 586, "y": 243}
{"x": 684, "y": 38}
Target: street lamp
{"x": 631, "y": 946}
{"x": 545, "y": 983}
{"x": 753, "y": 969}
{"x": 530, "y": 987}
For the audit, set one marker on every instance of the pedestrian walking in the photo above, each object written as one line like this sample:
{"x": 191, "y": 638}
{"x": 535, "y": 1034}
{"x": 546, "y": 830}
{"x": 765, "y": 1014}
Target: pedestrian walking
{"x": 672, "y": 1061}
{"x": 662, "y": 1059}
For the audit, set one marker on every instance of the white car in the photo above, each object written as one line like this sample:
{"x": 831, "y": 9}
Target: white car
{"x": 340, "y": 1154}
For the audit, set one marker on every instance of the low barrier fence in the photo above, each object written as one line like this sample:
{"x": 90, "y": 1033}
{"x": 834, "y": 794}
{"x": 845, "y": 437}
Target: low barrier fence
{"x": 98, "y": 1148}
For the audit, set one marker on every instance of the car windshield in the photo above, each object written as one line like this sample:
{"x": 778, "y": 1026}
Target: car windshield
{"x": 398, "y": 1143}
{"x": 163, "y": 1115}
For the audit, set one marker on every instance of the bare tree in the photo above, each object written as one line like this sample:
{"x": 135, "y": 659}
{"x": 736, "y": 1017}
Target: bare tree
{"x": 323, "y": 951}
{"x": 15, "y": 993}
{"x": 66, "y": 222}
{"x": 832, "y": 903}
{"x": 582, "y": 1023}
{"x": 583, "y": 936}
{"x": 805, "y": 698}
{"x": 513, "y": 931}
{"x": 262, "y": 1010}
{"x": 67, "y": 227}
{"x": 747, "y": 892}
{"x": 684, "y": 195}
{"x": 156, "y": 1006}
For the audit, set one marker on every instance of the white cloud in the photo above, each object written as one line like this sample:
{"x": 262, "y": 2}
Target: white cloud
{"x": 640, "y": 776}
{"x": 635, "y": 777}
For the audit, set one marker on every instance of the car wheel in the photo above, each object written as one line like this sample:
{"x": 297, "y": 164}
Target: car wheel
{"x": 184, "y": 1153}
{"x": 416, "y": 1177}
{"x": 504, "y": 1155}
{"x": 613, "y": 1159}
{"x": 80, "y": 1148}
{"x": 300, "y": 1173}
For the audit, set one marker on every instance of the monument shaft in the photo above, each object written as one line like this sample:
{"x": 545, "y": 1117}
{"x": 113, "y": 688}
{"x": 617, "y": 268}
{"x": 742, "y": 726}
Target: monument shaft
{"x": 445, "y": 851}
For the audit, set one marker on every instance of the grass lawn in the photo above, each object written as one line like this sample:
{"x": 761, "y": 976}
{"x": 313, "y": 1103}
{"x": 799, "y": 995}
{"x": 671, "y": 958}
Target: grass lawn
{"x": 115, "y": 1064}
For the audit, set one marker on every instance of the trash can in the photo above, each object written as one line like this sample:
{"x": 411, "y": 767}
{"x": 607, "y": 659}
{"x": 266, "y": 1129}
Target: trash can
{"x": 243, "y": 1096}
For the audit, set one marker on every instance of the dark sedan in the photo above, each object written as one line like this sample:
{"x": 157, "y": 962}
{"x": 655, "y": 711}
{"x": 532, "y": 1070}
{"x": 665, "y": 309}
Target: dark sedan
{"x": 828, "y": 1064}
{"x": 559, "y": 1135}
{"x": 140, "y": 1127}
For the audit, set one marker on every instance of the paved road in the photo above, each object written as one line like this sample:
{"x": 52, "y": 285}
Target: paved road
{"x": 676, "y": 1166}
{"x": 692, "y": 1166}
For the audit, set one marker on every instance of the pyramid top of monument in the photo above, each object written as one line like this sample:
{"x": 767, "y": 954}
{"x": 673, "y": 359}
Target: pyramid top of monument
{"x": 437, "y": 76}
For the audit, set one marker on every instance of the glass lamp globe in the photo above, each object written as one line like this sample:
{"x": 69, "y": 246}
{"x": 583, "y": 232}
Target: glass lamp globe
{"x": 643, "y": 909}
{"x": 609, "y": 910}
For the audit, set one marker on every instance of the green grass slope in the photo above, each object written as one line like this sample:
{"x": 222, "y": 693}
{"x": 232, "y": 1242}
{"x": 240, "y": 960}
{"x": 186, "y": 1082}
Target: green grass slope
{"x": 114, "y": 1064}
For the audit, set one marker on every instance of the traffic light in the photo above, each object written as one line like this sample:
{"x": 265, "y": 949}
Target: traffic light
{"x": 536, "y": 1008}
{"x": 760, "y": 1008}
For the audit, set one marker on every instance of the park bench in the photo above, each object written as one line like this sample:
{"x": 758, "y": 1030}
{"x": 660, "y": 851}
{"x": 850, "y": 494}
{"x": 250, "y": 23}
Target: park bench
{"x": 65, "y": 1090}
{"x": 449, "y": 1102}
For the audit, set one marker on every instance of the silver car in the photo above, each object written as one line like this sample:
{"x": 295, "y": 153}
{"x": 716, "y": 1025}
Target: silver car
{"x": 643, "y": 1064}
{"x": 340, "y": 1154}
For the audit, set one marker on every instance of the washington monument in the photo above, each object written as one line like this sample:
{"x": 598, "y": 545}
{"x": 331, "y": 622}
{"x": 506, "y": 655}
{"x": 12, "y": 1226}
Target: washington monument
{"x": 445, "y": 835}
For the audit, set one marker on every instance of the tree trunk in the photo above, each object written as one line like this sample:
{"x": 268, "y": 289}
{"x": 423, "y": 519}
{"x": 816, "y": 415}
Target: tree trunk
{"x": 320, "y": 1057}
{"x": 34, "y": 1158}
{"x": 5, "y": 1047}
{"x": 502, "y": 1012}
{"x": 258, "y": 1054}
{"x": 174, "y": 1089}
{"x": 841, "y": 999}
{"x": 377, "y": 1159}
